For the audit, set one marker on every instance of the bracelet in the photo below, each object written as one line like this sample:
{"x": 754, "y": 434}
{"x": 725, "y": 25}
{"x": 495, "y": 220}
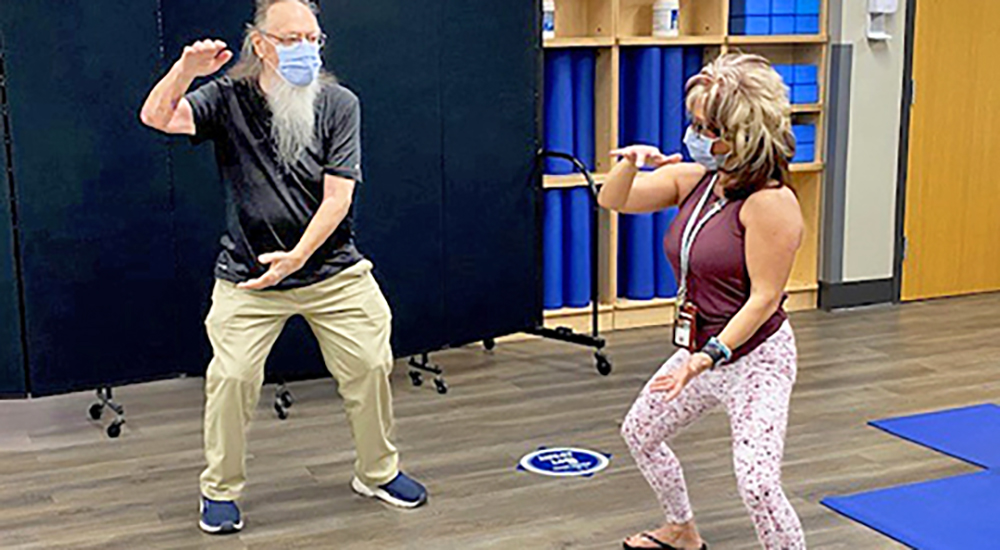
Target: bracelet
{"x": 717, "y": 351}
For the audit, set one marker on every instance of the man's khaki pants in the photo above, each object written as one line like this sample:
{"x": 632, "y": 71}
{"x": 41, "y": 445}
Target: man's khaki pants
{"x": 351, "y": 320}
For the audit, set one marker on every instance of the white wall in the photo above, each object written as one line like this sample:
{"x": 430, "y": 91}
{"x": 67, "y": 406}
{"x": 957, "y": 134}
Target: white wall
{"x": 873, "y": 142}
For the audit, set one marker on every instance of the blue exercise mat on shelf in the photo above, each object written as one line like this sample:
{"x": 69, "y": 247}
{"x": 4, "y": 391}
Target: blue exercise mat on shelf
{"x": 971, "y": 434}
{"x": 666, "y": 282}
{"x": 584, "y": 66}
{"x": 559, "y": 111}
{"x": 637, "y": 273}
{"x": 672, "y": 104}
{"x": 576, "y": 246}
{"x": 958, "y": 512}
{"x": 552, "y": 250}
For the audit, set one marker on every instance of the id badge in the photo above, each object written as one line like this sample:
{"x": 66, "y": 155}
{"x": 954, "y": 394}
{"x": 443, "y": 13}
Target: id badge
{"x": 686, "y": 326}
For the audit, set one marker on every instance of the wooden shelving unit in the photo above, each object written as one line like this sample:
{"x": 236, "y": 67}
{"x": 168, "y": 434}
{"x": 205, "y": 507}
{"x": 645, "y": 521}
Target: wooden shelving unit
{"x": 612, "y": 25}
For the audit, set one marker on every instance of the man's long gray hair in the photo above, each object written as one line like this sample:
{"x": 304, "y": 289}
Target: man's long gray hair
{"x": 293, "y": 108}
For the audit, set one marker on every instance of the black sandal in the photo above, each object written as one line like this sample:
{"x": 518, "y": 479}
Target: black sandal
{"x": 660, "y": 544}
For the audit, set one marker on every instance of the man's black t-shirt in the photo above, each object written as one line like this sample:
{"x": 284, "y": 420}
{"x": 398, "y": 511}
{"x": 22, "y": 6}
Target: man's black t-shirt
{"x": 268, "y": 206}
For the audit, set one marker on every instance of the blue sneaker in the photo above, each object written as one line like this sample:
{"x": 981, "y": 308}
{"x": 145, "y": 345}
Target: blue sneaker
{"x": 402, "y": 492}
{"x": 219, "y": 517}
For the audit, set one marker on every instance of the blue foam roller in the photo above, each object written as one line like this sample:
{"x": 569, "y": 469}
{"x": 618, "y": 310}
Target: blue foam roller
{"x": 576, "y": 246}
{"x": 637, "y": 240}
{"x": 738, "y": 8}
{"x": 672, "y": 108}
{"x": 805, "y": 152}
{"x": 805, "y": 93}
{"x": 806, "y": 74}
{"x": 804, "y": 133}
{"x": 583, "y": 105}
{"x": 782, "y": 24}
{"x": 552, "y": 246}
{"x": 782, "y": 7}
{"x": 693, "y": 61}
{"x": 758, "y": 25}
{"x": 666, "y": 281}
{"x": 806, "y": 24}
{"x": 758, "y": 7}
{"x": 738, "y": 25}
{"x": 807, "y": 7}
{"x": 648, "y": 85}
{"x": 559, "y": 109}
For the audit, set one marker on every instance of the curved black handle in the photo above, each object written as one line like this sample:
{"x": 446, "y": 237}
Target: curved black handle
{"x": 577, "y": 163}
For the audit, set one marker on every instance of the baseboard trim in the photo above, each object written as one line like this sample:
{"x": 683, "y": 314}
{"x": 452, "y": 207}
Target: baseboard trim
{"x": 855, "y": 294}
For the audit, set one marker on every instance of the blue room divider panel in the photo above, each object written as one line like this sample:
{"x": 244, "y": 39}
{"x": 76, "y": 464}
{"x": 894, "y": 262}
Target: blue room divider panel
{"x": 491, "y": 188}
{"x": 93, "y": 192}
{"x": 12, "y": 380}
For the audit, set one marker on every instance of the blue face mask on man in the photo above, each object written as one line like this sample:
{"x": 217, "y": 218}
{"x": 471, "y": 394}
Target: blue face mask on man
{"x": 700, "y": 149}
{"x": 299, "y": 64}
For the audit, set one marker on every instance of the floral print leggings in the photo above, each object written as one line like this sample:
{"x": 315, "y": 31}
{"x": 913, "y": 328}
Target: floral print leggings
{"x": 755, "y": 390}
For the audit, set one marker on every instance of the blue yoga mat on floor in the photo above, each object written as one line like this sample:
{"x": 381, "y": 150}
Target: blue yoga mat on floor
{"x": 947, "y": 514}
{"x": 971, "y": 434}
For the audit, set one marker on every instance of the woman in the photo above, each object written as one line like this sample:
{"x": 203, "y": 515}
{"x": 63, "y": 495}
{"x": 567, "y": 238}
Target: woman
{"x": 732, "y": 246}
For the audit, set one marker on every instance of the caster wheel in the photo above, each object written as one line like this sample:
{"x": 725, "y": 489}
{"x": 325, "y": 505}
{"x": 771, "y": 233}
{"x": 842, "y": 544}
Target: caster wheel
{"x": 286, "y": 400}
{"x": 416, "y": 378}
{"x": 603, "y": 365}
{"x": 280, "y": 411}
{"x": 489, "y": 344}
{"x": 115, "y": 429}
{"x": 96, "y": 410}
{"x": 442, "y": 388}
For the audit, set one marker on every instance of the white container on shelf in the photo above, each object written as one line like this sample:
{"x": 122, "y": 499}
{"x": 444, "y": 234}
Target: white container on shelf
{"x": 666, "y": 18}
{"x": 548, "y": 19}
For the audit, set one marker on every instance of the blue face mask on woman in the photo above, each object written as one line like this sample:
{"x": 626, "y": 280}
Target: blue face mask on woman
{"x": 299, "y": 64}
{"x": 700, "y": 149}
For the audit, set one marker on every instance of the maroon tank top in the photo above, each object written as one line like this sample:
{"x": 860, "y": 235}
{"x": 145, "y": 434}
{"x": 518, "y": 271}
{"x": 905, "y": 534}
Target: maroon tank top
{"x": 718, "y": 281}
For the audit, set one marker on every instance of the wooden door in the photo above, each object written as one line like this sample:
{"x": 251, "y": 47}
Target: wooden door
{"x": 953, "y": 189}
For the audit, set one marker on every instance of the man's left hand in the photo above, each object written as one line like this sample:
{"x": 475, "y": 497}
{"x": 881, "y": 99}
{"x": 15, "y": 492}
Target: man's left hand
{"x": 282, "y": 264}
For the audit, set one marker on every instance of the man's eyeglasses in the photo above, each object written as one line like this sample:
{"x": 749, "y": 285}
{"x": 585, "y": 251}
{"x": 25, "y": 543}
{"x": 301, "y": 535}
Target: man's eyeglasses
{"x": 319, "y": 39}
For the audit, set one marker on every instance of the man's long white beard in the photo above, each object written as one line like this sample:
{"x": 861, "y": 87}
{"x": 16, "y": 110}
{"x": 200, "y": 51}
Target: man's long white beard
{"x": 293, "y": 118}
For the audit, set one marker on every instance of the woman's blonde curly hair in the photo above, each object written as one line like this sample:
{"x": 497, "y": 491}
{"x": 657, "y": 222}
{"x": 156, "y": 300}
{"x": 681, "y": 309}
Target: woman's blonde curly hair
{"x": 745, "y": 101}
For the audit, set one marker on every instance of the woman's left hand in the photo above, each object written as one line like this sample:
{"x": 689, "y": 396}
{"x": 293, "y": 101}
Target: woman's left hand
{"x": 678, "y": 379}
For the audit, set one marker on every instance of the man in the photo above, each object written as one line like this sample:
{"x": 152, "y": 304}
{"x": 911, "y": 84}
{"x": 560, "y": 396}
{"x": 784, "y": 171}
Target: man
{"x": 287, "y": 141}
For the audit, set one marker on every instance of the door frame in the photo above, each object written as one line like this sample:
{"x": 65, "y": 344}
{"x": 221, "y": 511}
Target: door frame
{"x": 904, "y": 151}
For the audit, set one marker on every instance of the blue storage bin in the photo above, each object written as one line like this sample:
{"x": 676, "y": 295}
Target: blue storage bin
{"x": 804, "y": 152}
{"x": 782, "y": 7}
{"x": 787, "y": 73}
{"x": 758, "y": 25}
{"x": 758, "y": 7}
{"x": 738, "y": 25}
{"x": 738, "y": 8}
{"x": 807, "y": 7}
{"x": 804, "y": 133}
{"x": 805, "y": 93}
{"x": 806, "y": 24}
{"x": 782, "y": 24}
{"x": 806, "y": 74}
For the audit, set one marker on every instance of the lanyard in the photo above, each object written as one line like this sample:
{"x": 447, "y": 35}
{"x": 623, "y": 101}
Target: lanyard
{"x": 691, "y": 230}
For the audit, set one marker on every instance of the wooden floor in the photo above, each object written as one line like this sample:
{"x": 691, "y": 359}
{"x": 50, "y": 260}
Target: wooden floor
{"x": 63, "y": 484}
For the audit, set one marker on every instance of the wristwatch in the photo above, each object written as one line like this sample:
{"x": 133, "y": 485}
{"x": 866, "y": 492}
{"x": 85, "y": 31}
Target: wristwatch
{"x": 717, "y": 351}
